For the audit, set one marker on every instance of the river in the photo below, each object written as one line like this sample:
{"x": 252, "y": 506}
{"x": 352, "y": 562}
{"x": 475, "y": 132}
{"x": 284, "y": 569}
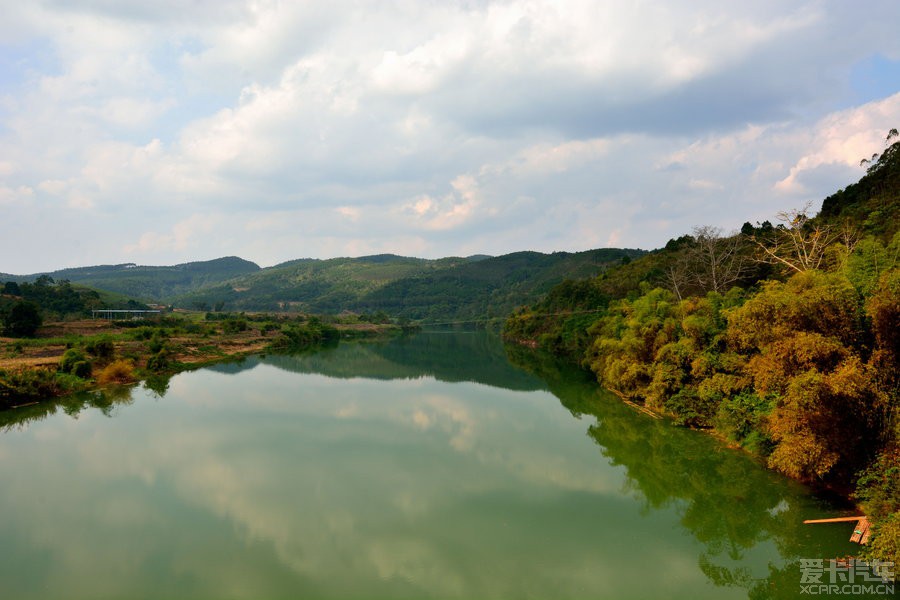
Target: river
{"x": 442, "y": 465}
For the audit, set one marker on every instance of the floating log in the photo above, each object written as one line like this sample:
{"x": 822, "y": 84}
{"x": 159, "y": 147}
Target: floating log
{"x": 834, "y": 520}
{"x": 23, "y": 405}
{"x": 636, "y": 406}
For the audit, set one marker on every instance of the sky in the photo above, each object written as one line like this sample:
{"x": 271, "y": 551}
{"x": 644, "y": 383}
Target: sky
{"x": 178, "y": 130}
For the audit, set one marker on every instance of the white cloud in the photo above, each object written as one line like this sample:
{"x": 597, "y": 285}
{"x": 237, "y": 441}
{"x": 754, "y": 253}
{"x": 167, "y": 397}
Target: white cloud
{"x": 18, "y": 196}
{"x": 184, "y": 235}
{"x": 842, "y": 139}
{"x": 424, "y": 68}
{"x": 451, "y": 210}
{"x": 311, "y": 129}
{"x": 349, "y": 212}
{"x": 705, "y": 185}
{"x": 131, "y": 112}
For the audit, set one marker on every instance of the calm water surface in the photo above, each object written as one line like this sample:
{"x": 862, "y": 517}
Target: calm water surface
{"x": 435, "y": 466}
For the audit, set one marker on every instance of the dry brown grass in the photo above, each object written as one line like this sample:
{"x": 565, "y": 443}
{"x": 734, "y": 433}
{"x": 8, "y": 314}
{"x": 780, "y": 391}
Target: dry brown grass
{"x": 77, "y": 327}
{"x": 118, "y": 371}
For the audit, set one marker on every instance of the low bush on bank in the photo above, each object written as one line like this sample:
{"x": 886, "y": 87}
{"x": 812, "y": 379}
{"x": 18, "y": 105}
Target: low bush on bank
{"x": 20, "y": 386}
{"x": 101, "y": 347}
{"x": 314, "y": 332}
{"x": 75, "y": 362}
{"x": 118, "y": 371}
{"x": 158, "y": 362}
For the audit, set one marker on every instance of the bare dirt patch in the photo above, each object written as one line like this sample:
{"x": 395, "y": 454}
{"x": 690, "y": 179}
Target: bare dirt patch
{"x": 79, "y": 327}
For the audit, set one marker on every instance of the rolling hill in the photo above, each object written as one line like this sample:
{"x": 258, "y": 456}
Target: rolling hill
{"x": 149, "y": 283}
{"x": 474, "y": 287}
{"x": 489, "y": 288}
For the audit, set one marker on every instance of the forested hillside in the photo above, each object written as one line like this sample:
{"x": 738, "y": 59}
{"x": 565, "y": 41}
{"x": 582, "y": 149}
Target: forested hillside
{"x": 311, "y": 285}
{"x": 414, "y": 288}
{"x": 488, "y": 288}
{"x": 784, "y": 338}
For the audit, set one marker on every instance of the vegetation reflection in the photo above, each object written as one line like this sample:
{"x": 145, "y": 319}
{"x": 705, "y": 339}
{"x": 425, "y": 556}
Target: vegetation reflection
{"x": 724, "y": 499}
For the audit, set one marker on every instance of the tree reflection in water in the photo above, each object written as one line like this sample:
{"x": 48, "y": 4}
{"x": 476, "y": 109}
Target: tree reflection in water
{"x": 725, "y": 499}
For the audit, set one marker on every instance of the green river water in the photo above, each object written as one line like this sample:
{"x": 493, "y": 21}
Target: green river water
{"x": 436, "y": 466}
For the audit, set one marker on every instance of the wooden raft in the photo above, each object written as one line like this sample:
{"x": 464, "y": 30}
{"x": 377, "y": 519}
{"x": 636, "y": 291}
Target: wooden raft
{"x": 861, "y": 531}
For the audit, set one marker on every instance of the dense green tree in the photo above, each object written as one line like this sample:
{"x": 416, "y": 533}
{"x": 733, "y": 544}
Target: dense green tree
{"x": 11, "y": 288}
{"x": 883, "y": 309}
{"x": 878, "y": 490}
{"x": 803, "y": 341}
{"x": 811, "y": 301}
{"x": 669, "y": 354}
{"x": 869, "y": 260}
{"x": 23, "y": 319}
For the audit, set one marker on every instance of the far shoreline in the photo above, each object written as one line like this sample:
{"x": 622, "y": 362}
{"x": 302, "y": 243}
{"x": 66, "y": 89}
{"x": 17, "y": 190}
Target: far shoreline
{"x": 32, "y": 369}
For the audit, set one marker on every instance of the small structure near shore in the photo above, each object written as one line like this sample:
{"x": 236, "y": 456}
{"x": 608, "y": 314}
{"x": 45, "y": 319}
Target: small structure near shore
{"x": 122, "y": 314}
{"x": 860, "y": 533}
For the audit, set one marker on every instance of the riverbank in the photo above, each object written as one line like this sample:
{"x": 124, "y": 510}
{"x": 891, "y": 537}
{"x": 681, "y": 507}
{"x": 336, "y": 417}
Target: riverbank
{"x": 842, "y": 495}
{"x": 74, "y": 356}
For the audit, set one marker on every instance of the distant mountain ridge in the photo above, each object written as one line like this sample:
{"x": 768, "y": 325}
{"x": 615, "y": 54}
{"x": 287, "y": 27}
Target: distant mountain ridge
{"x": 149, "y": 282}
{"x": 474, "y": 287}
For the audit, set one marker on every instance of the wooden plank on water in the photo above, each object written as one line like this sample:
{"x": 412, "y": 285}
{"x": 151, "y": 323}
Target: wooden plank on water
{"x": 834, "y": 520}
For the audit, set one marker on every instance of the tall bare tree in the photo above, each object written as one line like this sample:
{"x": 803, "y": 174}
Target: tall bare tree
{"x": 799, "y": 245}
{"x": 678, "y": 276}
{"x": 717, "y": 261}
